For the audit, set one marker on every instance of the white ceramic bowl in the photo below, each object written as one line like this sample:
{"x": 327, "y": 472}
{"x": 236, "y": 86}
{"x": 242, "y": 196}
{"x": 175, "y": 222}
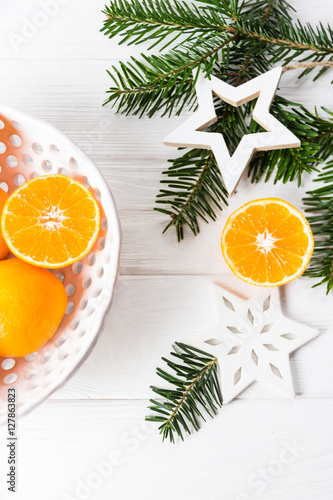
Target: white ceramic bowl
{"x": 28, "y": 148}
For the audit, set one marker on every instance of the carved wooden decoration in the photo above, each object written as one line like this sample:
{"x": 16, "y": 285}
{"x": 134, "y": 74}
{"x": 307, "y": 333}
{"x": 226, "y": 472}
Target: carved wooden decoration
{"x": 252, "y": 341}
{"x": 191, "y": 134}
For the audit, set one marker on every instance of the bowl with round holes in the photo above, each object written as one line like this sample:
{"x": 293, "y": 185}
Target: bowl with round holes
{"x": 29, "y": 148}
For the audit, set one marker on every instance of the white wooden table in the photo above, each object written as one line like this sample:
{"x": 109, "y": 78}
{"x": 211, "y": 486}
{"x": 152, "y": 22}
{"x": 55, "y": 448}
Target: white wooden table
{"x": 260, "y": 446}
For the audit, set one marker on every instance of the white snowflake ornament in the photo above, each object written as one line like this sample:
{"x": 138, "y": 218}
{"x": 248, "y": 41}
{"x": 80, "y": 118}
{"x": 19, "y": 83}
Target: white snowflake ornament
{"x": 253, "y": 341}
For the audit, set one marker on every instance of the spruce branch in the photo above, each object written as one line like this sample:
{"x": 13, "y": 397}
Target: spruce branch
{"x": 296, "y": 37}
{"x": 163, "y": 82}
{"x": 195, "y": 191}
{"x": 138, "y": 22}
{"x": 320, "y": 208}
{"x": 215, "y": 33}
{"x": 315, "y": 134}
{"x": 197, "y": 391}
{"x": 268, "y": 11}
{"x": 274, "y": 10}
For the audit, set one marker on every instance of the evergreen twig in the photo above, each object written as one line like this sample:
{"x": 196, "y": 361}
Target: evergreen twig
{"x": 163, "y": 82}
{"x": 207, "y": 34}
{"x": 320, "y": 208}
{"x": 197, "y": 392}
{"x": 194, "y": 189}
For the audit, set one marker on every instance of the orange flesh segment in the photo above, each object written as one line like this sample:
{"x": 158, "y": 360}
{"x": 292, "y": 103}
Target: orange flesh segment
{"x": 51, "y": 221}
{"x": 267, "y": 242}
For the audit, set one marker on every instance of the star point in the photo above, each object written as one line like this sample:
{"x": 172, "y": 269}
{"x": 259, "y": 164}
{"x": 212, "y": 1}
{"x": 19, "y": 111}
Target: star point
{"x": 191, "y": 134}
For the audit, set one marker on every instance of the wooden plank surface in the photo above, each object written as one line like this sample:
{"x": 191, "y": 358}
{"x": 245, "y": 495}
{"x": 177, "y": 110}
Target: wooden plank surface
{"x": 253, "y": 449}
{"x": 260, "y": 446}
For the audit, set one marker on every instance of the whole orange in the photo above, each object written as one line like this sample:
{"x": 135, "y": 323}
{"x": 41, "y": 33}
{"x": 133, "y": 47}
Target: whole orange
{"x": 32, "y": 304}
{"x": 3, "y": 247}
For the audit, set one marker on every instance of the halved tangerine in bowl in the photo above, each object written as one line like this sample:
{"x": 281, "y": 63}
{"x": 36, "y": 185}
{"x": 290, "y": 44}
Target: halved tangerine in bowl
{"x": 51, "y": 221}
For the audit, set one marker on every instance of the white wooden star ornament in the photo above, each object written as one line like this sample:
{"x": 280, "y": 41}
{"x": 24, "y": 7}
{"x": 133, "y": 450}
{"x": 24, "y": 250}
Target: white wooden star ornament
{"x": 252, "y": 342}
{"x": 191, "y": 134}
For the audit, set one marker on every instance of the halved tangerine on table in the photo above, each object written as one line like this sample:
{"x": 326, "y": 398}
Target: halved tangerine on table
{"x": 267, "y": 242}
{"x": 51, "y": 221}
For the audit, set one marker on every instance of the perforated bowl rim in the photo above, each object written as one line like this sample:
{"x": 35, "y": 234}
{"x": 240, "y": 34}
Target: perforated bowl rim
{"x": 114, "y": 262}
